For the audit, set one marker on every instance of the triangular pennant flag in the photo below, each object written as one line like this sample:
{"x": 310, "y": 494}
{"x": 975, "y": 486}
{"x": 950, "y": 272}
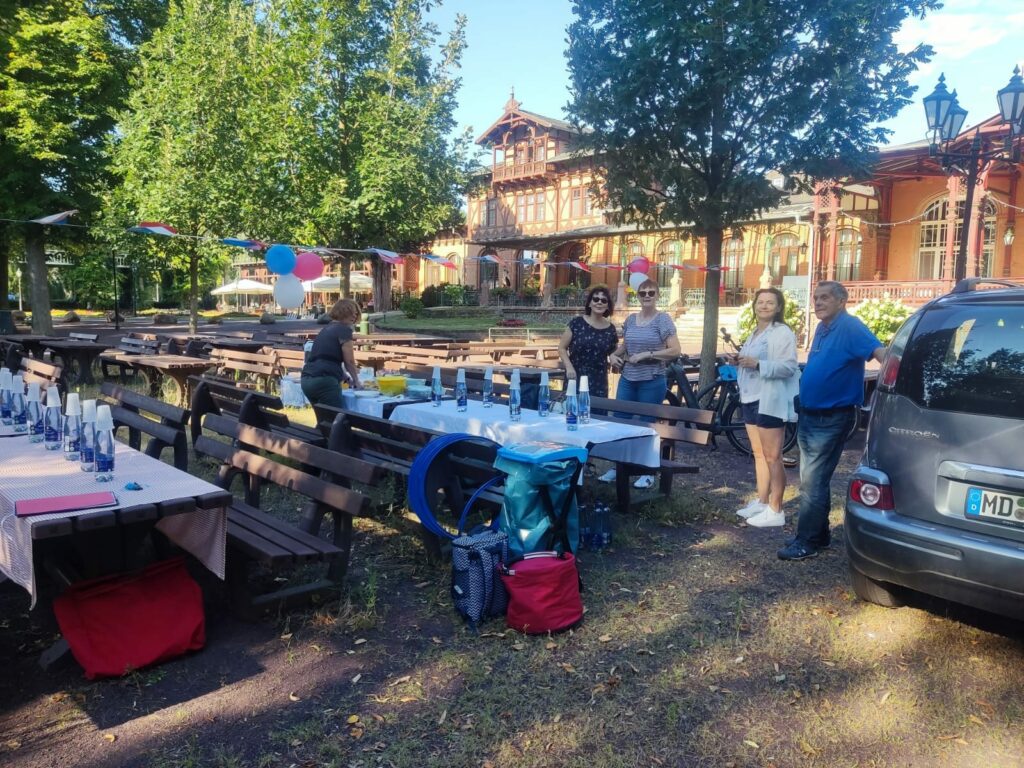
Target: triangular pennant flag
{"x": 252, "y": 245}
{"x": 154, "y": 228}
{"x": 56, "y": 218}
{"x": 389, "y": 257}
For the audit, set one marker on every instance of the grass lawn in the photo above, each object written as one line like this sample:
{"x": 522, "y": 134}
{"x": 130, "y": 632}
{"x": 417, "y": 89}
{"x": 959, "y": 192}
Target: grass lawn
{"x": 698, "y": 648}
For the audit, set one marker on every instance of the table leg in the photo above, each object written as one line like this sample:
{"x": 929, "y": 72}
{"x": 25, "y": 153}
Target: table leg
{"x": 181, "y": 380}
{"x": 85, "y": 368}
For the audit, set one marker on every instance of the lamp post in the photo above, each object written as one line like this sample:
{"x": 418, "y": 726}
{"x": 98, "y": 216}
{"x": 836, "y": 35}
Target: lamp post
{"x": 945, "y": 118}
{"x": 21, "y": 306}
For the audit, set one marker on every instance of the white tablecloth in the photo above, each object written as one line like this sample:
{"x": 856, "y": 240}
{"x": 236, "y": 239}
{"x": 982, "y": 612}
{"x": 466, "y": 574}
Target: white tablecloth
{"x": 634, "y": 443}
{"x": 29, "y": 471}
{"x": 368, "y": 406}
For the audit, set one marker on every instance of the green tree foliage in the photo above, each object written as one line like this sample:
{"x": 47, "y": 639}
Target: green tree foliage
{"x": 63, "y": 67}
{"x": 691, "y": 104}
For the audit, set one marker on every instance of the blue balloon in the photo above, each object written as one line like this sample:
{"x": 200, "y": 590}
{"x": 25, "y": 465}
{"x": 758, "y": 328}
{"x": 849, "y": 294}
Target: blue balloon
{"x": 280, "y": 259}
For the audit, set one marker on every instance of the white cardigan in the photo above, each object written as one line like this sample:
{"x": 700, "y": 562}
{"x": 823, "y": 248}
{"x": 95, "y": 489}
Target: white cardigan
{"x": 780, "y": 374}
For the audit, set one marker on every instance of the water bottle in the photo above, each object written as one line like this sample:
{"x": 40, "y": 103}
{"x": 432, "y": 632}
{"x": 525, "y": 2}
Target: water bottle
{"x": 461, "y": 403}
{"x": 19, "y": 414}
{"x": 544, "y": 396}
{"x": 571, "y": 407}
{"x": 600, "y": 527}
{"x": 586, "y": 516}
{"x": 306, "y": 349}
{"x": 87, "y": 455}
{"x": 34, "y": 414}
{"x": 73, "y": 428}
{"x": 584, "y": 400}
{"x": 436, "y": 390}
{"x": 53, "y": 427}
{"x": 488, "y": 387}
{"x": 515, "y": 400}
{"x": 5, "y": 397}
{"x": 104, "y": 444}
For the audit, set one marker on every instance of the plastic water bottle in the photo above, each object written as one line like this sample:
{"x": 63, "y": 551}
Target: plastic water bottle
{"x": 436, "y": 390}
{"x": 19, "y": 413}
{"x": 600, "y": 529}
{"x": 488, "y": 397}
{"x": 515, "y": 400}
{"x": 461, "y": 403}
{"x": 104, "y": 444}
{"x": 34, "y": 414}
{"x": 5, "y": 397}
{"x": 584, "y": 400}
{"x": 53, "y": 427}
{"x": 544, "y": 396}
{"x": 306, "y": 349}
{"x": 73, "y": 428}
{"x": 87, "y": 455}
{"x": 571, "y": 407}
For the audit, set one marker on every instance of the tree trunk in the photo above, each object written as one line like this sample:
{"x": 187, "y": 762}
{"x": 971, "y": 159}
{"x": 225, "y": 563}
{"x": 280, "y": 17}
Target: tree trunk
{"x": 193, "y": 289}
{"x": 5, "y": 243}
{"x": 345, "y": 278}
{"x": 712, "y": 281}
{"x": 39, "y": 290}
{"x": 381, "y": 286}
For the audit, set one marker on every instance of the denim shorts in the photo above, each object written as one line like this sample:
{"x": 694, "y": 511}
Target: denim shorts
{"x": 751, "y": 416}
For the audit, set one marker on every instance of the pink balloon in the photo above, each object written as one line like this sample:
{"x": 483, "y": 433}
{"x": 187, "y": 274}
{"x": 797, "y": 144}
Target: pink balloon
{"x": 308, "y": 266}
{"x": 640, "y": 265}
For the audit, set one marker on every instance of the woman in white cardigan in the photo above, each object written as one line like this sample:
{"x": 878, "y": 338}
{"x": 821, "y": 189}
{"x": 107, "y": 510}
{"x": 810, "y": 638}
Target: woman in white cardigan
{"x": 769, "y": 380}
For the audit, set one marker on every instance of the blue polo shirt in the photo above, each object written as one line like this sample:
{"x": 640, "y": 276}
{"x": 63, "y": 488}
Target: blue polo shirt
{"x": 834, "y": 374}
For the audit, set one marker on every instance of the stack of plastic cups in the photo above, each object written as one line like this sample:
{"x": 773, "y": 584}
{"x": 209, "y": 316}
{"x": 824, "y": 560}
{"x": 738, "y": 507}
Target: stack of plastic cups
{"x": 461, "y": 400}
{"x": 488, "y": 394}
{"x": 5, "y": 397}
{"x": 584, "y": 400}
{"x": 87, "y": 455}
{"x": 34, "y": 413}
{"x": 53, "y": 427}
{"x": 73, "y": 428}
{"x": 19, "y": 416}
{"x": 104, "y": 444}
{"x": 515, "y": 408}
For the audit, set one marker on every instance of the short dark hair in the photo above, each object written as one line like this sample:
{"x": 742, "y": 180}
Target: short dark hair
{"x": 780, "y": 314}
{"x": 607, "y": 294}
{"x": 345, "y": 311}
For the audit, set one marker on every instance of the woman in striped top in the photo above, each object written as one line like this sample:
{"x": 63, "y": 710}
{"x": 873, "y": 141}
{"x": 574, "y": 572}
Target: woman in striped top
{"x": 649, "y": 341}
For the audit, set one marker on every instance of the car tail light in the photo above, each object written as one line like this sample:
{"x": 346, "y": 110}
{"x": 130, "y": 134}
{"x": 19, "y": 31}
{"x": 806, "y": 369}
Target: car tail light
{"x": 890, "y": 371}
{"x": 874, "y": 495}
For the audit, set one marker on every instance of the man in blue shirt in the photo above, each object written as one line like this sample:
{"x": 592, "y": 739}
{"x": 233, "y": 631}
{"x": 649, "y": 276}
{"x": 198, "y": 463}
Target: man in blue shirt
{"x": 831, "y": 392}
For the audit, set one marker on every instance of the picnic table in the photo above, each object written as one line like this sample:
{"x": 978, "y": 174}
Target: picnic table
{"x": 177, "y": 367}
{"x": 632, "y": 443}
{"x": 189, "y": 511}
{"x": 32, "y": 342}
{"x": 238, "y": 344}
{"x": 82, "y": 352}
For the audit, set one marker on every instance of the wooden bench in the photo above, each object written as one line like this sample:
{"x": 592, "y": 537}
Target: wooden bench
{"x": 46, "y": 374}
{"x": 392, "y": 447}
{"x": 84, "y": 336}
{"x": 245, "y": 368}
{"x": 256, "y": 537}
{"x": 677, "y": 427}
{"x": 119, "y": 358}
{"x": 247, "y": 406}
{"x": 164, "y": 424}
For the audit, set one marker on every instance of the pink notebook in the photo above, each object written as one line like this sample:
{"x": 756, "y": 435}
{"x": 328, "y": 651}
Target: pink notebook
{"x": 48, "y": 504}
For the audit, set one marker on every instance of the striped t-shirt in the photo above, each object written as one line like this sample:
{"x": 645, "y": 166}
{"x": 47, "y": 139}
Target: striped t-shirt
{"x": 650, "y": 337}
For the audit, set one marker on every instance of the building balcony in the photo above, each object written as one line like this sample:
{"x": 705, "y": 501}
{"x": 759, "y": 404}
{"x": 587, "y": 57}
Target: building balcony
{"x": 521, "y": 172}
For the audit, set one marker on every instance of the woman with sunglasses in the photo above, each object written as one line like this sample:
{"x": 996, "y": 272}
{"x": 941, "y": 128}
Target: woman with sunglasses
{"x": 589, "y": 339}
{"x": 649, "y": 341}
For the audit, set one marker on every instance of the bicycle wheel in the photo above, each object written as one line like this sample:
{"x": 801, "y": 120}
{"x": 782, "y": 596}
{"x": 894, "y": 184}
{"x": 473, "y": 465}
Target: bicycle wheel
{"x": 732, "y": 420}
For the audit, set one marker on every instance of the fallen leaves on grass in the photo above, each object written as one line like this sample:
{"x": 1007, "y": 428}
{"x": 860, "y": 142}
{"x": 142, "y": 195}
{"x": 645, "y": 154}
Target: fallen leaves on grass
{"x": 399, "y": 681}
{"x": 293, "y": 696}
{"x": 605, "y": 638}
{"x": 110, "y": 737}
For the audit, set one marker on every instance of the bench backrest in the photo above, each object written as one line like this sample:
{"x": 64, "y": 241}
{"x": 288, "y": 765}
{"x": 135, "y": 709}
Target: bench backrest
{"x": 247, "y": 405}
{"x": 138, "y": 403}
{"x": 84, "y": 336}
{"x": 289, "y": 360}
{"x": 164, "y": 424}
{"x": 46, "y": 374}
{"x": 134, "y": 346}
{"x": 673, "y": 424}
{"x": 260, "y": 363}
{"x": 326, "y": 487}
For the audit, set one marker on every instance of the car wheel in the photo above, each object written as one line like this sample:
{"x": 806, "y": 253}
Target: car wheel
{"x": 871, "y": 591}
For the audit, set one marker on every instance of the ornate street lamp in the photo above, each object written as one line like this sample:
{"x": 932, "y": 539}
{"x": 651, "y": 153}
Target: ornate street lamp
{"x": 21, "y": 306}
{"x": 946, "y": 117}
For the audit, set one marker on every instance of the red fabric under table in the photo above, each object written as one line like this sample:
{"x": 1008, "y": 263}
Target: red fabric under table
{"x": 122, "y": 623}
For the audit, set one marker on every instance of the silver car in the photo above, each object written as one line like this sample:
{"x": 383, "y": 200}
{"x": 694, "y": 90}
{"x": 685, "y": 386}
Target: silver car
{"x": 937, "y": 504}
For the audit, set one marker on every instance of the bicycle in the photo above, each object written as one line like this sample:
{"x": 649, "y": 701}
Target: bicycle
{"x": 722, "y": 397}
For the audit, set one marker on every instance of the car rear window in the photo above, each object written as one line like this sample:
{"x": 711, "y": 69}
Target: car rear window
{"x": 969, "y": 358}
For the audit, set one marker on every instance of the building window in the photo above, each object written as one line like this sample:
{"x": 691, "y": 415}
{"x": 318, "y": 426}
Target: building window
{"x": 492, "y": 212}
{"x": 784, "y": 255}
{"x": 521, "y": 208}
{"x": 848, "y": 255}
{"x": 669, "y": 254}
{"x": 541, "y": 151}
{"x": 576, "y": 208}
{"x": 931, "y": 253}
{"x": 732, "y": 259}
{"x": 540, "y": 211}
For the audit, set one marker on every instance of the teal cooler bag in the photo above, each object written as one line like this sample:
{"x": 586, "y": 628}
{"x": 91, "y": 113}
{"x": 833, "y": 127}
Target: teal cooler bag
{"x": 539, "y": 512}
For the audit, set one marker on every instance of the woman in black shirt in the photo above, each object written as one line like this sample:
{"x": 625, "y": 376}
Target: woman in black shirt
{"x": 332, "y": 357}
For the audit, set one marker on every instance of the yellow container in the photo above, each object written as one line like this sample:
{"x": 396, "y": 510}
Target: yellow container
{"x": 391, "y": 385}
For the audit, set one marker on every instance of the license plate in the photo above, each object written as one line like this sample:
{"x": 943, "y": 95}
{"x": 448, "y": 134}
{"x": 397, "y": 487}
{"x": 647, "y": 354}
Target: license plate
{"x": 989, "y": 505}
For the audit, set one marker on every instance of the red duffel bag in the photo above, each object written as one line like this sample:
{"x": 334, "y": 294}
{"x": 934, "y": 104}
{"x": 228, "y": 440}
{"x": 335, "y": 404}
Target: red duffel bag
{"x": 543, "y": 593}
{"x": 121, "y": 623}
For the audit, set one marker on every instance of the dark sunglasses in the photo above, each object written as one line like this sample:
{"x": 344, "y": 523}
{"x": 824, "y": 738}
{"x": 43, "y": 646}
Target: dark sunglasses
{"x": 601, "y": 299}
{"x": 646, "y": 293}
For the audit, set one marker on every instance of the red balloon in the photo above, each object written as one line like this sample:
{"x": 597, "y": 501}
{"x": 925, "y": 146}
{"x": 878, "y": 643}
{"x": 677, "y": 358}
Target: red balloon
{"x": 308, "y": 266}
{"x": 640, "y": 265}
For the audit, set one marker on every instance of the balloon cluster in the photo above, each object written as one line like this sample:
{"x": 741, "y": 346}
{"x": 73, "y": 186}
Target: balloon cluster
{"x": 638, "y": 269}
{"x": 293, "y": 269}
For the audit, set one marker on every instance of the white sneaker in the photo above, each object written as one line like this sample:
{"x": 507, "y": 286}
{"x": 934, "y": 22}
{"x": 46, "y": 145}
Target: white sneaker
{"x": 754, "y": 506}
{"x": 768, "y": 518}
{"x": 644, "y": 481}
{"x": 608, "y": 477}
